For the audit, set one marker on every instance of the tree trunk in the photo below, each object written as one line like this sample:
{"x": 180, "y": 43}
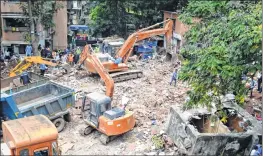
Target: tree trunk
{"x": 32, "y": 28}
{"x": 36, "y": 38}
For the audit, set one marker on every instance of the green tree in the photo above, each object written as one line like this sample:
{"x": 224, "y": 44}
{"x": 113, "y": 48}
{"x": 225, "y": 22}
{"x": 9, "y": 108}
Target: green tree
{"x": 112, "y": 17}
{"x": 225, "y": 44}
{"x": 43, "y": 12}
{"x": 108, "y": 18}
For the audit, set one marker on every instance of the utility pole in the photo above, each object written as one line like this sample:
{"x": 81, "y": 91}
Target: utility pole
{"x": 32, "y": 26}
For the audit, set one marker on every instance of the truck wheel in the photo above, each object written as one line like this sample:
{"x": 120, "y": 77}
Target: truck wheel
{"x": 68, "y": 117}
{"x": 59, "y": 123}
{"x": 104, "y": 139}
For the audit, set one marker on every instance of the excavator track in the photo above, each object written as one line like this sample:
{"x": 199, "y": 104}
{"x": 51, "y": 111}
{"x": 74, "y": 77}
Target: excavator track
{"x": 127, "y": 75}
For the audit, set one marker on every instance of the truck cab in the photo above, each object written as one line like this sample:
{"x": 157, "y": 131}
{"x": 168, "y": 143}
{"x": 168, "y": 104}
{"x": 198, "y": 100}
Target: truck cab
{"x": 34, "y": 135}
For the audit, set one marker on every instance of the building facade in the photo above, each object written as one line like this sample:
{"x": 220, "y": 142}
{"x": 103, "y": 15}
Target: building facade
{"x": 179, "y": 28}
{"x": 14, "y": 30}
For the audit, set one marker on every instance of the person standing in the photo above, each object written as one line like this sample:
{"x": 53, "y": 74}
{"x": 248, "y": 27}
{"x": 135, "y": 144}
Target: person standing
{"x": 64, "y": 58}
{"x": 259, "y": 82}
{"x": 43, "y": 69}
{"x": 174, "y": 77}
{"x": 255, "y": 152}
{"x": 57, "y": 59}
{"x": 70, "y": 58}
{"x": 252, "y": 86}
{"x": 78, "y": 52}
{"x": 28, "y": 50}
{"x": 7, "y": 55}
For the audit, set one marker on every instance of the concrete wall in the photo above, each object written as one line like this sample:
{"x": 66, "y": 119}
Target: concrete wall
{"x": 8, "y": 7}
{"x": 180, "y": 28}
{"x": 13, "y": 36}
{"x": 186, "y": 137}
{"x": 61, "y": 29}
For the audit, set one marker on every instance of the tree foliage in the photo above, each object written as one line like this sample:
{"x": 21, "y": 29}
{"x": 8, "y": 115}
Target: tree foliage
{"x": 43, "y": 12}
{"x": 225, "y": 44}
{"x": 112, "y": 17}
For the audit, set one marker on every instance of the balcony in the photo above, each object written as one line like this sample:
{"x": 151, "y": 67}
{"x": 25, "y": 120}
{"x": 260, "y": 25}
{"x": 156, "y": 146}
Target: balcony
{"x": 16, "y": 29}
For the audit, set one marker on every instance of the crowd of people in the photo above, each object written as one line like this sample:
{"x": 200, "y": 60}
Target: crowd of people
{"x": 57, "y": 55}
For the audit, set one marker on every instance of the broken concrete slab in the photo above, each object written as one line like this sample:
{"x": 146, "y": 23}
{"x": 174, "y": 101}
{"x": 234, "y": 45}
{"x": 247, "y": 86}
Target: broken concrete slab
{"x": 184, "y": 134}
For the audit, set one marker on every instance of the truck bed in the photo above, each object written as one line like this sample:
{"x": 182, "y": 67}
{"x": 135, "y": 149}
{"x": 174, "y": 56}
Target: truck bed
{"x": 14, "y": 83}
{"x": 47, "y": 99}
{"x": 36, "y": 101}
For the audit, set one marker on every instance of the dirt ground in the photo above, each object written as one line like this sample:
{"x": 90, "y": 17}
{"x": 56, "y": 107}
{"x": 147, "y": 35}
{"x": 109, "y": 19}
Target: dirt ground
{"x": 149, "y": 97}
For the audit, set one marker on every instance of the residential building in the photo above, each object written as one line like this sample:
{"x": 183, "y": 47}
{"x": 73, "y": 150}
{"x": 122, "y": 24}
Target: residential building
{"x": 14, "y": 29}
{"x": 179, "y": 27}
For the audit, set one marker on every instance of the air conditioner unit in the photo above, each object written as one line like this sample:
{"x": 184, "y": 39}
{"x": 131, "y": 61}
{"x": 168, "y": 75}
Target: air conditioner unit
{"x": 75, "y": 5}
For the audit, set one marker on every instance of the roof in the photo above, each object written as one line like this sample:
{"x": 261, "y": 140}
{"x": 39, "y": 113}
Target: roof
{"x": 172, "y": 12}
{"x": 99, "y": 97}
{"x": 78, "y": 27}
{"x": 29, "y": 131}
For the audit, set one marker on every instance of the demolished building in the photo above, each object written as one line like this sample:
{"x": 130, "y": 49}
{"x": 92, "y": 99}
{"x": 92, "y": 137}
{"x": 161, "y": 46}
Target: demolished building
{"x": 200, "y": 132}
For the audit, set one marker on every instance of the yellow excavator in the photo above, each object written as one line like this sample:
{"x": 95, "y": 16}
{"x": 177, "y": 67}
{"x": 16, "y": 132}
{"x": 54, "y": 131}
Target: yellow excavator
{"x": 29, "y": 61}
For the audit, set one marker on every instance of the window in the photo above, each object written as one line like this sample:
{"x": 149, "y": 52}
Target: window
{"x": 14, "y": 1}
{"x": 14, "y": 22}
{"x": 54, "y": 148}
{"x": 41, "y": 152}
{"x": 24, "y": 152}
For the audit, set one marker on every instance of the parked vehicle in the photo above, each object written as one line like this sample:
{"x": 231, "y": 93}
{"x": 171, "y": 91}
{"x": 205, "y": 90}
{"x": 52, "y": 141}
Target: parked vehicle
{"x": 34, "y": 135}
{"x": 50, "y": 99}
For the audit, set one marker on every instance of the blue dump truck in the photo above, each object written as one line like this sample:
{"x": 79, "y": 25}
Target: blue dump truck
{"x": 46, "y": 97}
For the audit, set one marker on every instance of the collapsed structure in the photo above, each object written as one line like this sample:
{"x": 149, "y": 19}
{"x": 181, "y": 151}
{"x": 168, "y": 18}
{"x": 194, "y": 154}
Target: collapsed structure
{"x": 200, "y": 132}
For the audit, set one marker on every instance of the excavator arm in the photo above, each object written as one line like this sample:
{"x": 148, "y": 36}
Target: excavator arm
{"x": 126, "y": 49}
{"x": 86, "y": 58}
{"x": 28, "y": 62}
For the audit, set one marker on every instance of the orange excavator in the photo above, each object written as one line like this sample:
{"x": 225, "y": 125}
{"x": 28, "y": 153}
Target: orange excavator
{"x": 118, "y": 66}
{"x": 96, "y": 108}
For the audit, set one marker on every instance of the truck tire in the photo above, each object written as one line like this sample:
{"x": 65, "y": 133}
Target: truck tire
{"x": 68, "y": 117}
{"x": 59, "y": 123}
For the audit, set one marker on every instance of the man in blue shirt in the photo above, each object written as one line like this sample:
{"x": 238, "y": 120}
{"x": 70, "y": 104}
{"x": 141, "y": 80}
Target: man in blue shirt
{"x": 24, "y": 78}
{"x": 174, "y": 77}
{"x": 43, "y": 68}
{"x": 28, "y": 50}
{"x": 259, "y": 149}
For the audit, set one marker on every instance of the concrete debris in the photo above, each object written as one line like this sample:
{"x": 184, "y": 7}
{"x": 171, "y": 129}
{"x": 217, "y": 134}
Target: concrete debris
{"x": 197, "y": 138}
{"x": 148, "y": 97}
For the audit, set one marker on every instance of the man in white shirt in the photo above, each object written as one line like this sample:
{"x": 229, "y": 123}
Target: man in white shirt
{"x": 255, "y": 152}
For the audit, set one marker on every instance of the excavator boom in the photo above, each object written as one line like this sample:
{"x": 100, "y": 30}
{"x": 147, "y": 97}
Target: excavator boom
{"x": 141, "y": 35}
{"x": 28, "y": 62}
{"x": 87, "y": 59}
{"x": 122, "y": 73}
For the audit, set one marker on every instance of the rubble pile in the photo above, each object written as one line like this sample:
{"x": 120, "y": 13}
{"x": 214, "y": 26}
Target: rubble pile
{"x": 149, "y": 97}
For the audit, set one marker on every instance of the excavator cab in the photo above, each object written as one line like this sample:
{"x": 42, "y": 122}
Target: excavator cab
{"x": 97, "y": 104}
{"x": 34, "y": 135}
{"x": 98, "y": 114}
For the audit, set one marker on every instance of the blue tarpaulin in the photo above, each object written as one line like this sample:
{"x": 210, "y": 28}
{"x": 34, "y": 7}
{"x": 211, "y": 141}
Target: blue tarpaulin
{"x": 78, "y": 27}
